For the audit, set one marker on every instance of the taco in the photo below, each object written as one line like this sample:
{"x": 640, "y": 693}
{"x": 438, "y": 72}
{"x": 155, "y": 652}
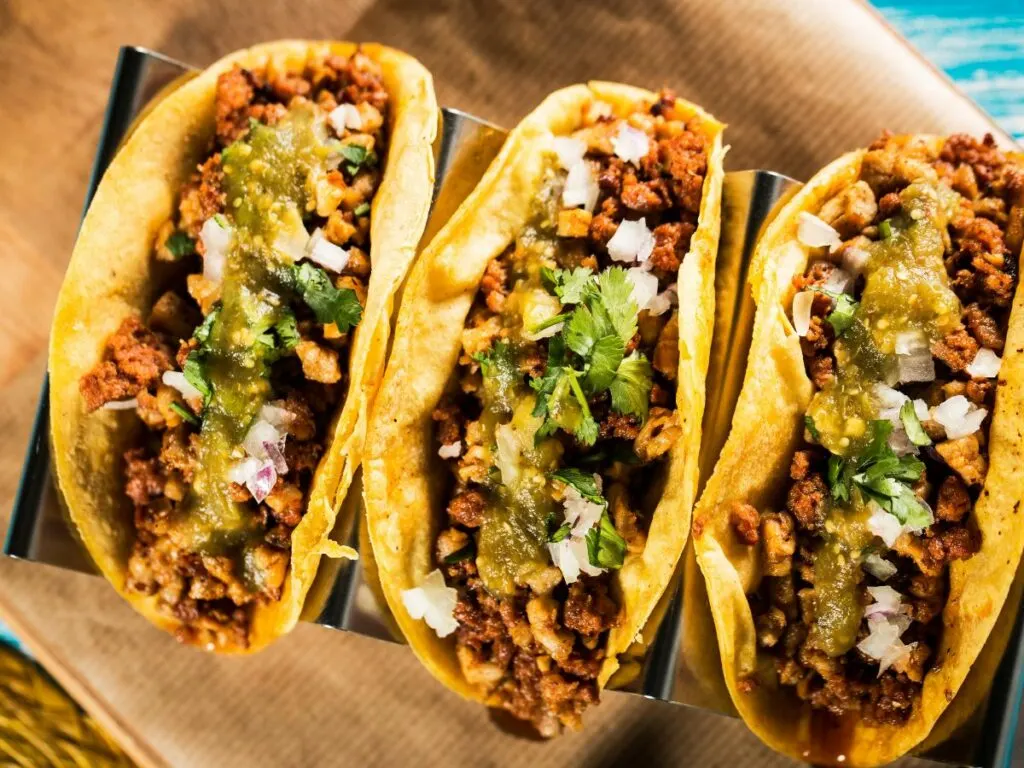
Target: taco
{"x": 532, "y": 458}
{"x": 222, "y": 327}
{"x": 858, "y": 534}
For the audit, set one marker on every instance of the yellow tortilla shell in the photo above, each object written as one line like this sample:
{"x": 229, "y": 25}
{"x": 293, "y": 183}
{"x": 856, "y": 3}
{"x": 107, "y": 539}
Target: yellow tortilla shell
{"x": 766, "y": 429}
{"x": 112, "y": 274}
{"x": 403, "y": 478}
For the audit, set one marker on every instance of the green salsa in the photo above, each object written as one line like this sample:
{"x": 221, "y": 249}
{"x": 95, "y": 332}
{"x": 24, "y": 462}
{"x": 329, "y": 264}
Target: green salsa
{"x": 267, "y": 183}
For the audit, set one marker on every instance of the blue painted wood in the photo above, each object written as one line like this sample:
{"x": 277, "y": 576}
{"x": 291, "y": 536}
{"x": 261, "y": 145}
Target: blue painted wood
{"x": 979, "y": 44}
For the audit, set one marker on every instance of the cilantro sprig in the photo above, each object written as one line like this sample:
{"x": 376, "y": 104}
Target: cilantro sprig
{"x": 588, "y": 356}
{"x": 330, "y": 305}
{"x": 878, "y": 474}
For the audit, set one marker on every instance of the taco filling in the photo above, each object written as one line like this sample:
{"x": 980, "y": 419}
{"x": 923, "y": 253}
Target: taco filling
{"x": 562, "y": 413}
{"x": 236, "y": 372}
{"x": 902, "y": 315}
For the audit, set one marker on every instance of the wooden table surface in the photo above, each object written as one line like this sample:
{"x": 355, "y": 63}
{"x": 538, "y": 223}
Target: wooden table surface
{"x": 56, "y": 59}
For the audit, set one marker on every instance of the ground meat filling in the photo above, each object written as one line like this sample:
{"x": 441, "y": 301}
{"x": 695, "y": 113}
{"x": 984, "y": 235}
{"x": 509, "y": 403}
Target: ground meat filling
{"x": 206, "y": 591}
{"x": 538, "y": 651}
{"x": 985, "y": 232}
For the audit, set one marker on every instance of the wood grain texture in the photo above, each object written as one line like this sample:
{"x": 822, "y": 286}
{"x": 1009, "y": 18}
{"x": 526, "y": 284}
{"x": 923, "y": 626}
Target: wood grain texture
{"x": 799, "y": 81}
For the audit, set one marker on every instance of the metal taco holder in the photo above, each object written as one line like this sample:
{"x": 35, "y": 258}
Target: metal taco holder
{"x": 664, "y": 666}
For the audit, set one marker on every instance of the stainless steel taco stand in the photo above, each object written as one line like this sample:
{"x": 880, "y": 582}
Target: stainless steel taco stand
{"x": 672, "y": 664}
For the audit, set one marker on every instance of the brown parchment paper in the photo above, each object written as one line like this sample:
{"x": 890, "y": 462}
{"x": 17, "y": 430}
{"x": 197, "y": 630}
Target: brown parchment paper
{"x": 798, "y": 82}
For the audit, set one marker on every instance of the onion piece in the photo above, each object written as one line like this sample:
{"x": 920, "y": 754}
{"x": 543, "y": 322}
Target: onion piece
{"x": 631, "y": 144}
{"x": 433, "y": 602}
{"x": 121, "y": 405}
{"x": 802, "y": 303}
{"x": 261, "y": 482}
{"x": 571, "y": 556}
{"x": 959, "y": 417}
{"x": 879, "y": 567}
{"x": 276, "y": 415}
{"x": 345, "y": 116}
{"x": 883, "y": 642}
{"x": 645, "y": 287}
{"x": 884, "y": 526}
{"x": 887, "y": 601}
{"x": 985, "y": 364}
{"x": 450, "y": 450}
{"x": 855, "y": 259}
{"x": 177, "y": 380}
{"x": 664, "y": 301}
{"x": 276, "y": 456}
{"x": 838, "y": 281}
{"x": 914, "y": 359}
{"x": 568, "y": 150}
{"x": 580, "y": 514}
{"x": 815, "y": 233}
{"x": 216, "y": 236}
{"x": 581, "y": 187}
{"x": 509, "y": 452}
{"x": 632, "y": 241}
{"x": 325, "y": 253}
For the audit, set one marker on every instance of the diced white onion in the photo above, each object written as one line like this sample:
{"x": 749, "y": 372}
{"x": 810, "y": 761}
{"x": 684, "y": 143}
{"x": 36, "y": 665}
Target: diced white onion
{"x": 838, "y": 281}
{"x": 450, "y": 451}
{"x": 216, "y": 237}
{"x": 815, "y": 233}
{"x": 645, "y": 287}
{"x": 632, "y": 241}
{"x": 884, "y": 526}
{"x": 544, "y": 333}
{"x": 889, "y": 402}
{"x": 570, "y": 556}
{"x": 259, "y": 433}
{"x": 914, "y": 359}
{"x": 121, "y": 405}
{"x": 345, "y": 116}
{"x": 909, "y": 342}
{"x": 276, "y": 456}
{"x": 921, "y": 409}
{"x": 259, "y": 476}
{"x": 433, "y": 602}
{"x": 883, "y": 642}
{"x": 631, "y": 144}
{"x": 325, "y": 253}
{"x": 276, "y": 415}
{"x": 879, "y": 567}
{"x": 580, "y": 514}
{"x": 802, "y": 303}
{"x": 855, "y": 259}
{"x": 985, "y": 364}
{"x": 887, "y": 601}
{"x": 509, "y": 451}
{"x": 958, "y": 417}
{"x": 581, "y": 187}
{"x": 177, "y": 380}
{"x": 664, "y": 301}
{"x": 569, "y": 151}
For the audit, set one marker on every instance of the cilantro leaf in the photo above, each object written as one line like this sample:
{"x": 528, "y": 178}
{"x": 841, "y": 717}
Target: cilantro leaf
{"x": 195, "y": 374}
{"x": 180, "y": 244}
{"x": 885, "y": 229}
{"x": 582, "y": 330}
{"x": 459, "y": 555}
{"x": 571, "y": 286}
{"x": 843, "y": 315}
{"x": 605, "y": 547}
{"x": 586, "y": 428}
{"x": 287, "y": 331}
{"x": 560, "y": 533}
{"x": 912, "y": 425}
{"x": 617, "y": 298}
{"x": 631, "y": 386}
{"x": 353, "y": 153}
{"x": 202, "y": 333}
{"x": 605, "y": 358}
{"x": 185, "y": 413}
{"x": 584, "y": 482}
{"x": 330, "y": 305}
{"x": 361, "y": 209}
{"x": 810, "y": 426}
